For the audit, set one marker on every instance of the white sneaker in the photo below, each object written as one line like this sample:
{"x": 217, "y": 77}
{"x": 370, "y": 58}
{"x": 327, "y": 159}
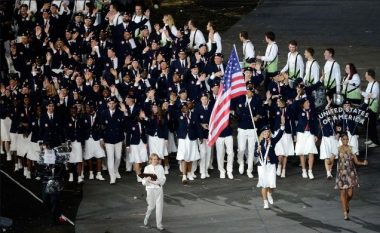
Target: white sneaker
{"x": 270, "y": 198}
{"x": 266, "y": 204}
{"x": 2, "y": 150}
{"x": 283, "y": 173}
{"x": 166, "y": 170}
{"x": 372, "y": 145}
{"x": 241, "y": 169}
{"x": 203, "y": 176}
{"x": 139, "y": 179}
{"x": 211, "y": 167}
{"x": 117, "y": 174}
{"x": 112, "y": 180}
{"x": 25, "y": 171}
{"x": 193, "y": 175}
{"x": 207, "y": 175}
{"x": 71, "y": 177}
{"x": 9, "y": 157}
{"x": 278, "y": 172}
{"x": 80, "y": 179}
{"x": 304, "y": 174}
{"x": 368, "y": 142}
{"x": 91, "y": 176}
{"x": 99, "y": 176}
{"x": 249, "y": 174}
{"x": 16, "y": 167}
{"x": 190, "y": 176}
{"x": 222, "y": 175}
{"x": 38, "y": 178}
{"x": 310, "y": 173}
{"x": 230, "y": 176}
{"x": 329, "y": 175}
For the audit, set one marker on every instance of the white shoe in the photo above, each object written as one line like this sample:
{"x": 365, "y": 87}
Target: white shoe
{"x": 304, "y": 174}
{"x": 270, "y": 198}
{"x": 190, "y": 176}
{"x": 2, "y": 150}
{"x": 278, "y": 172}
{"x": 310, "y": 173}
{"x": 71, "y": 177}
{"x": 249, "y": 174}
{"x": 28, "y": 175}
{"x": 146, "y": 221}
{"x": 38, "y": 178}
{"x": 222, "y": 175}
{"x": 203, "y": 176}
{"x": 80, "y": 179}
{"x": 99, "y": 176}
{"x": 117, "y": 174}
{"x": 207, "y": 175}
{"x": 139, "y": 179}
{"x": 166, "y": 170}
{"x": 283, "y": 173}
{"x": 230, "y": 176}
{"x": 9, "y": 157}
{"x": 193, "y": 175}
{"x": 25, "y": 171}
{"x": 91, "y": 176}
{"x": 372, "y": 145}
{"x": 16, "y": 167}
{"x": 266, "y": 204}
{"x": 112, "y": 180}
{"x": 211, "y": 167}
{"x": 241, "y": 169}
{"x": 368, "y": 142}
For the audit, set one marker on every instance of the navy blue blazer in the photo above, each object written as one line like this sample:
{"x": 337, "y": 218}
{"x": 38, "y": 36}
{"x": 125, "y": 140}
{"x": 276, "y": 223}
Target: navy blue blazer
{"x": 242, "y": 111}
{"x": 74, "y": 129}
{"x": 113, "y": 127}
{"x": 158, "y": 127}
{"x": 187, "y": 127}
{"x": 302, "y": 122}
{"x": 34, "y": 127}
{"x": 271, "y": 154}
{"x": 203, "y": 117}
{"x": 51, "y": 130}
{"x": 93, "y": 131}
{"x": 133, "y": 133}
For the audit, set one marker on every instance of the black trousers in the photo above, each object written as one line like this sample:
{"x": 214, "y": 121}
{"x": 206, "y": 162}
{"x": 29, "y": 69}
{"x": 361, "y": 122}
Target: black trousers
{"x": 372, "y": 130}
{"x": 52, "y": 202}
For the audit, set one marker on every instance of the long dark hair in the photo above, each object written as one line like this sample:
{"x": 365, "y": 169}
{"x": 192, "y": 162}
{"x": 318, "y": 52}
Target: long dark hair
{"x": 352, "y": 70}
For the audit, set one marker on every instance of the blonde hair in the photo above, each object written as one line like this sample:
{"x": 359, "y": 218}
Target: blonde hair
{"x": 151, "y": 156}
{"x": 169, "y": 20}
{"x": 262, "y": 135}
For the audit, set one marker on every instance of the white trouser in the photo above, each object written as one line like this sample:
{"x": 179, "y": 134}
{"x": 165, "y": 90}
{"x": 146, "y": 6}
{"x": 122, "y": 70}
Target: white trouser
{"x": 155, "y": 199}
{"x": 128, "y": 165}
{"x": 113, "y": 158}
{"x": 245, "y": 135}
{"x": 205, "y": 153}
{"x": 223, "y": 145}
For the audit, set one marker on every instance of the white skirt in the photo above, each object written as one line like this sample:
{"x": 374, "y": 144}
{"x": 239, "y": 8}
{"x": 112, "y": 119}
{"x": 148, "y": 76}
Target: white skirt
{"x": 172, "y": 147}
{"x": 14, "y": 137}
{"x": 329, "y": 146}
{"x": 76, "y": 154}
{"x": 353, "y": 141}
{"x": 34, "y": 151}
{"x": 267, "y": 176}
{"x": 305, "y": 144}
{"x": 22, "y": 146}
{"x": 158, "y": 146}
{"x": 285, "y": 146}
{"x": 188, "y": 150}
{"x": 92, "y": 149}
{"x": 138, "y": 154}
{"x": 5, "y": 125}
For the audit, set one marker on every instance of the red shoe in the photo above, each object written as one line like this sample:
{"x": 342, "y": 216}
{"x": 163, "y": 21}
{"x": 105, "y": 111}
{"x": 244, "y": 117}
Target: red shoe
{"x": 62, "y": 220}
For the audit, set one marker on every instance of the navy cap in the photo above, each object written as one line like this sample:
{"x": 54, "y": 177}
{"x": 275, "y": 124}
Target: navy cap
{"x": 204, "y": 94}
{"x": 201, "y": 45}
{"x": 194, "y": 66}
{"x": 112, "y": 98}
{"x": 149, "y": 89}
{"x": 181, "y": 51}
{"x": 298, "y": 81}
{"x": 144, "y": 27}
{"x": 183, "y": 90}
{"x": 250, "y": 87}
{"x": 251, "y": 60}
{"x": 219, "y": 55}
{"x": 346, "y": 102}
{"x": 266, "y": 127}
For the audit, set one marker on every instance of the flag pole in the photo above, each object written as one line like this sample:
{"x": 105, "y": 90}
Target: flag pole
{"x": 253, "y": 123}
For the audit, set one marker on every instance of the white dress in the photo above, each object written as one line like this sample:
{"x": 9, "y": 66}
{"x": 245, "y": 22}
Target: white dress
{"x": 139, "y": 153}
{"x": 305, "y": 144}
{"x": 188, "y": 150}
{"x": 158, "y": 146}
{"x": 76, "y": 154}
{"x": 285, "y": 146}
{"x": 329, "y": 146}
{"x": 5, "y": 128}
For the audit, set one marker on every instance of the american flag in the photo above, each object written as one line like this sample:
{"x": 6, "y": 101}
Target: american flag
{"x": 233, "y": 86}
